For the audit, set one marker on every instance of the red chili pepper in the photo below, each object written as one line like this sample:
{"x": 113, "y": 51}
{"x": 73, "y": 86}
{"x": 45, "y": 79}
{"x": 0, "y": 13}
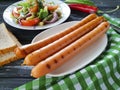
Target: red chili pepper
{"x": 84, "y": 8}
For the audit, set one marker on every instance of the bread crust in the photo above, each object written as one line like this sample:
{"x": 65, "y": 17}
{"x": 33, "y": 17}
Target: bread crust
{"x": 12, "y": 57}
{"x": 7, "y": 54}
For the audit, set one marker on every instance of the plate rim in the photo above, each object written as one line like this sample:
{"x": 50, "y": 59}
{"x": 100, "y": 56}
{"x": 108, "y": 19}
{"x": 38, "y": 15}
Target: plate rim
{"x": 63, "y": 74}
{"x": 65, "y": 17}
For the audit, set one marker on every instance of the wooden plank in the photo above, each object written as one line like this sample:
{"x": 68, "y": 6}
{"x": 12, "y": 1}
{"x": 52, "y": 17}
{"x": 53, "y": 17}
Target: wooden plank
{"x": 11, "y": 83}
{"x": 15, "y": 71}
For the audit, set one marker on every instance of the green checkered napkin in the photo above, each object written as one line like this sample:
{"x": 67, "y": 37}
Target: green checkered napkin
{"x": 102, "y": 74}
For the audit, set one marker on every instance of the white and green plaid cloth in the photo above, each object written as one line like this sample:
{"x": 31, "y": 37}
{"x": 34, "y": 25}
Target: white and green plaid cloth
{"x": 102, "y": 74}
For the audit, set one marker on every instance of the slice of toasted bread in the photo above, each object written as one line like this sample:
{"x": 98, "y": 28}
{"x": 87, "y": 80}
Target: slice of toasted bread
{"x": 14, "y": 39}
{"x": 7, "y": 58}
{"x": 6, "y": 42}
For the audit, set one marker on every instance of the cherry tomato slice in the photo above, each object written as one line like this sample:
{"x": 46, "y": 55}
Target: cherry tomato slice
{"x": 15, "y": 12}
{"x": 30, "y": 22}
{"x": 52, "y": 7}
{"x": 34, "y": 9}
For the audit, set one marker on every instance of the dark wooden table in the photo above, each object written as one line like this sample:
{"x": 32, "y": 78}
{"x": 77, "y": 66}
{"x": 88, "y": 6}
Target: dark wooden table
{"x": 13, "y": 75}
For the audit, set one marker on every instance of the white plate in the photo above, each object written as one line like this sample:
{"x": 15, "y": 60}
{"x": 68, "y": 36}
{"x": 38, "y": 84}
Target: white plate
{"x": 79, "y": 61}
{"x": 62, "y": 6}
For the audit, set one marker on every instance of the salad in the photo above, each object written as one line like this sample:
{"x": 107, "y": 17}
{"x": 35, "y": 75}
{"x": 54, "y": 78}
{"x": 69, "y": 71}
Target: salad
{"x": 36, "y": 12}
